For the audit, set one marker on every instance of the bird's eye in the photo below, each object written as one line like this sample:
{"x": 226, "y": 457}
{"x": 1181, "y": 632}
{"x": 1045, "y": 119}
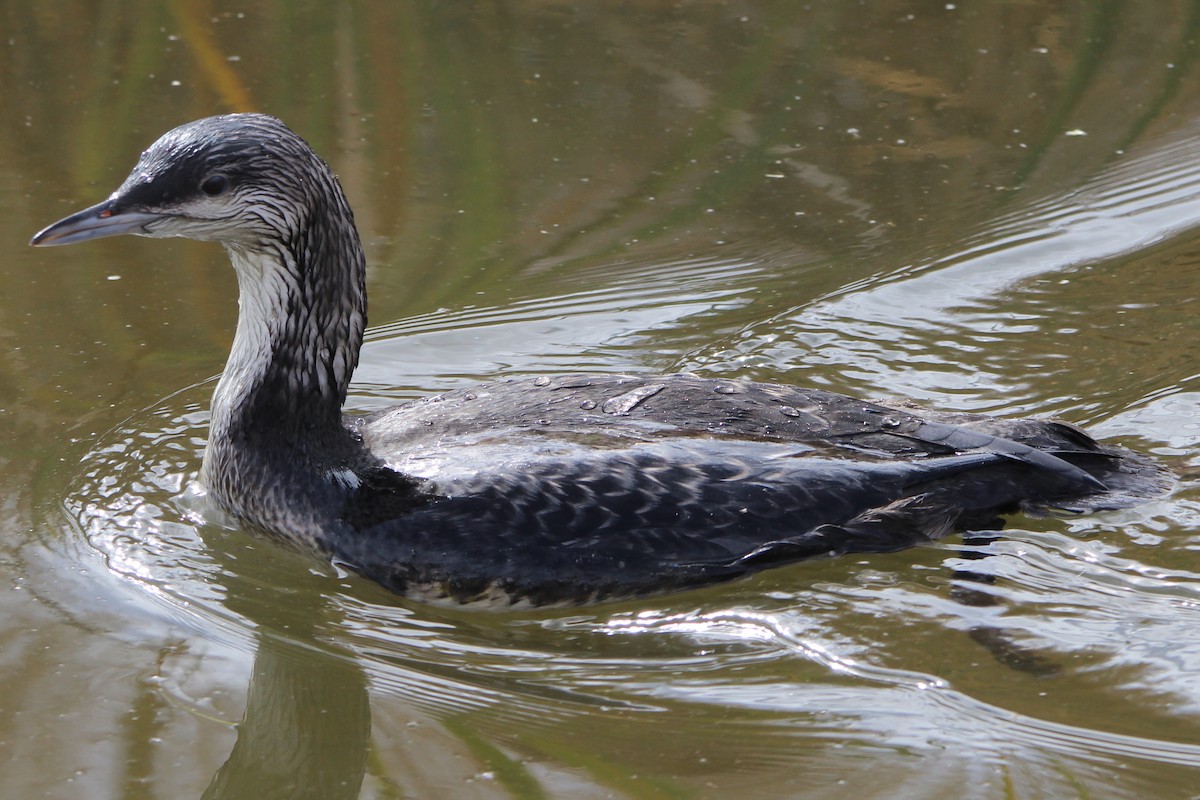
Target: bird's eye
{"x": 214, "y": 185}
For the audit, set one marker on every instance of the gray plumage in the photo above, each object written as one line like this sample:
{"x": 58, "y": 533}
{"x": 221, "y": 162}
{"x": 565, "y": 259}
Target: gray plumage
{"x": 572, "y": 488}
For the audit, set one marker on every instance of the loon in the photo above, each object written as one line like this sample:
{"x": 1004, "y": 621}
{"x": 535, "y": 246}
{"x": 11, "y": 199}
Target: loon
{"x": 551, "y": 489}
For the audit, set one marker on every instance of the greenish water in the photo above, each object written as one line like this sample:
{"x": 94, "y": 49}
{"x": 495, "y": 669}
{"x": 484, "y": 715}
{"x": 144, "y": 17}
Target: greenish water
{"x": 980, "y": 206}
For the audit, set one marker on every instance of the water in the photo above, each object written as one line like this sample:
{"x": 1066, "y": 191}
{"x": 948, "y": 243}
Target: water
{"x": 987, "y": 209}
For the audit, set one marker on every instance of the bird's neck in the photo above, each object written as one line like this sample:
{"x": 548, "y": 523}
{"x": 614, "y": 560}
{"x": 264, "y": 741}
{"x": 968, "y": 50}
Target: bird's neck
{"x": 302, "y": 311}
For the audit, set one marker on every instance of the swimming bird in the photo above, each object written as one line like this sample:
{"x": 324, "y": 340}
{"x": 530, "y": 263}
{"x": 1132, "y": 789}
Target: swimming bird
{"x": 549, "y": 489}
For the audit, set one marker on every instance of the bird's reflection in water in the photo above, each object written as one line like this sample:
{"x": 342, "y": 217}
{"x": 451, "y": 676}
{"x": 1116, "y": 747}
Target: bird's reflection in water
{"x": 306, "y": 729}
{"x": 969, "y": 589}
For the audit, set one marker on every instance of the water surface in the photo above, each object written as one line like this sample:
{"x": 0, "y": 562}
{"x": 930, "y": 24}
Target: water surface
{"x": 983, "y": 208}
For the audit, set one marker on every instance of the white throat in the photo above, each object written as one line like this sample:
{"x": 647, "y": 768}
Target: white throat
{"x": 265, "y": 283}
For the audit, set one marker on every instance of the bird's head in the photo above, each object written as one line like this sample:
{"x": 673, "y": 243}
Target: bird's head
{"x": 240, "y": 179}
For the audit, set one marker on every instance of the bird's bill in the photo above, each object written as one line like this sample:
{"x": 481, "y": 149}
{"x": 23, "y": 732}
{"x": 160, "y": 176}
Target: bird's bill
{"x": 97, "y": 222}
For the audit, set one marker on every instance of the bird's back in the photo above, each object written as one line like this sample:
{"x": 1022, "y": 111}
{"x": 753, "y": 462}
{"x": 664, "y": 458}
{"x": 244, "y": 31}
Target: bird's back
{"x": 587, "y": 486}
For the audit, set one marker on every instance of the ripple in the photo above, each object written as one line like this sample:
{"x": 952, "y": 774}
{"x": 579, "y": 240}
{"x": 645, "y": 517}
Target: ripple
{"x": 1045, "y": 652}
{"x": 834, "y": 653}
{"x": 933, "y": 330}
